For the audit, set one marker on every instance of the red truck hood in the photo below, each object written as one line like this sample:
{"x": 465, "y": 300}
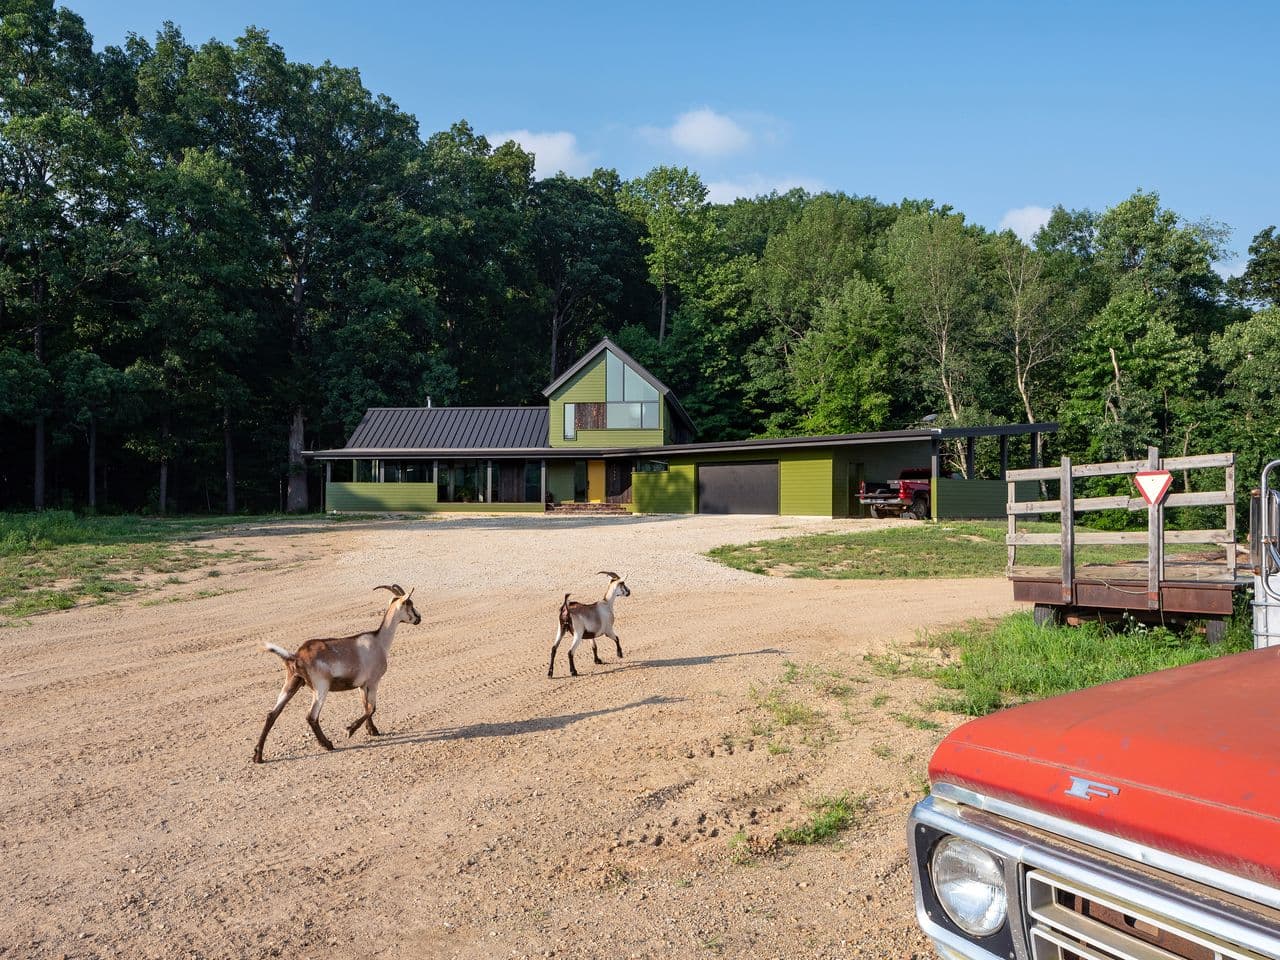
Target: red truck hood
{"x": 1193, "y": 751}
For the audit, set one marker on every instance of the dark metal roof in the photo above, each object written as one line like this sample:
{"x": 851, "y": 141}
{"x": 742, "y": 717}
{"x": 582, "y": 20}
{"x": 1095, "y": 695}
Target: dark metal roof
{"x": 452, "y": 428}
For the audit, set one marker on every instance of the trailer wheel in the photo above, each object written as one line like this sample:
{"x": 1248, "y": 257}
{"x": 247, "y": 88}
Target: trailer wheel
{"x": 1046, "y": 615}
{"x": 1215, "y": 631}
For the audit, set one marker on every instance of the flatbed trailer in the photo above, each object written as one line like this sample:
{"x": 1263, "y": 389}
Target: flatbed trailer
{"x": 1162, "y": 587}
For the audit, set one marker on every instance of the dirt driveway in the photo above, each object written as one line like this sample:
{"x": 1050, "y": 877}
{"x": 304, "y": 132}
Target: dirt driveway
{"x": 629, "y": 812}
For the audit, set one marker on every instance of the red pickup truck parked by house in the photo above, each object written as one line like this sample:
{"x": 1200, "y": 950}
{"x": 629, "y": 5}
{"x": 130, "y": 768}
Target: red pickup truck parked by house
{"x": 1137, "y": 820}
{"x": 906, "y": 496}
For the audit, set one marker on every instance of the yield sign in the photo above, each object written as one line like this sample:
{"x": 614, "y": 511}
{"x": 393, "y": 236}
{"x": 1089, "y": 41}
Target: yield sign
{"x": 1153, "y": 485}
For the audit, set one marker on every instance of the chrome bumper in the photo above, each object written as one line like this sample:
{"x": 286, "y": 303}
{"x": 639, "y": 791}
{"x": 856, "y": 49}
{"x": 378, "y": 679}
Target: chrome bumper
{"x": 1035, "y": 861}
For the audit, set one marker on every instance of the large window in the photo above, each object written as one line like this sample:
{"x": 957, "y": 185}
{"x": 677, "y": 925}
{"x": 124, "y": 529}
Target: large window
{"x": 570, "y": 421}
{"x": 633, "y": 402}
{"x": 407, "y": 471}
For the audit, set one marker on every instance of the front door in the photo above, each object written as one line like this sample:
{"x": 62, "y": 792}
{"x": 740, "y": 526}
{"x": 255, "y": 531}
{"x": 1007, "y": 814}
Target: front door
{"x": 595, "y": 481}
{"x": 617, "y": 487}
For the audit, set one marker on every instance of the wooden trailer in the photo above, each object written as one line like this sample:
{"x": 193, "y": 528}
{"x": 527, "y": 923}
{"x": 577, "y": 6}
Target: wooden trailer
{"x": 1161, "y": 586}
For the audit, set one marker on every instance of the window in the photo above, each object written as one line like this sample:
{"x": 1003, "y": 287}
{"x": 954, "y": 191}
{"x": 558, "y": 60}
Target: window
{"x": 570, "y": 421}
{"x": 633, "y": 402}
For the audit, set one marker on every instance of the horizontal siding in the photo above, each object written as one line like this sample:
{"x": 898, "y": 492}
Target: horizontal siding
{"x": 971, "y": 499}
{"x": 407, "y": 498}
{"x": 586, "y": 387}
{"x": 673, "y": 491}
{"x": 604, "y": 439}
{"x": 356, "y": 497}
{"x": 806, "y": 484}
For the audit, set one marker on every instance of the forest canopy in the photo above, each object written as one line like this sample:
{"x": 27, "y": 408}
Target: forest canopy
{"x": 213, "y": 257}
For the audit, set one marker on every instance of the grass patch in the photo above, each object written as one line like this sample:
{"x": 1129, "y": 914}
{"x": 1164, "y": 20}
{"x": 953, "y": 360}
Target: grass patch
{"x": 916, "y": 722}
{"x": 1013, "y": 661}
{"x": 785, "y": 712}
{"x": 830, "y": 816}
{"x": 920, "y": 551}
{"x": 54, "y": 560}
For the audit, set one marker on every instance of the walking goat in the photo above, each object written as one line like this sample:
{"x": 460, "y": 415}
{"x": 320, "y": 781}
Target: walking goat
{"x": 341, "y": 663}
{"x": 588, "y": 620}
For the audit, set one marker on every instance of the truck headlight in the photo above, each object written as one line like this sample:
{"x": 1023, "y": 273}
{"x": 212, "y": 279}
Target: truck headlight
{"x": 969, "y": 883}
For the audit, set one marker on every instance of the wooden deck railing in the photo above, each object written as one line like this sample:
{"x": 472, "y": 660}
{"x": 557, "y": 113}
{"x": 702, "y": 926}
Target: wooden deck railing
{"x": 1067, "y": 505}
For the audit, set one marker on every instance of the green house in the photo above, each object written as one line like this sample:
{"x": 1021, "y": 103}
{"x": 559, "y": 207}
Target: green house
{"x": 614, "y": 436}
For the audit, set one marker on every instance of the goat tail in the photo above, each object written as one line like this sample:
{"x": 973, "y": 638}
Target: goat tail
{"x": 564, "y": 610}
{"x": 280, "y": 652}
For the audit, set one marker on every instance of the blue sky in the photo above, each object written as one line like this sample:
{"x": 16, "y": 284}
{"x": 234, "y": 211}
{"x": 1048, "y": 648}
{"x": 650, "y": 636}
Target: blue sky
{"x": 1000, "y": 109}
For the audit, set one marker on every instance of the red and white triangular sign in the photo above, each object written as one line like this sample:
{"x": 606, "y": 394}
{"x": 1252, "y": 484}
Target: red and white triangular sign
{"x": 1153, "y": 485}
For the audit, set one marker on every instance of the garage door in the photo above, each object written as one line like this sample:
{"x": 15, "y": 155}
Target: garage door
{"x": 738, "y": 487}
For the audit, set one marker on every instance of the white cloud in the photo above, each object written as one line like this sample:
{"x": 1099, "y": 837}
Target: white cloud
{"x": 1229, "y": 269}
{"x": 754, "y": 184}
{"x": 702, "y": 132}
{"x": 1025, "y": 221}
{"x": 553, "y": 151}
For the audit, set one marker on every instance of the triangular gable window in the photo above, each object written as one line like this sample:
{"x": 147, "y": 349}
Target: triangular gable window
{"x": 632, "y": 401}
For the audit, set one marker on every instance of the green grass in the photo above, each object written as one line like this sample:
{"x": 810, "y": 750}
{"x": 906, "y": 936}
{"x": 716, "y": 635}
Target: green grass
{"x": 916, "y": 722}
{"x": 1013, "y": 661}
{"x": 831, "y": 815}
{"x": 923, "y": 550}
{"x": 55, "y": 559}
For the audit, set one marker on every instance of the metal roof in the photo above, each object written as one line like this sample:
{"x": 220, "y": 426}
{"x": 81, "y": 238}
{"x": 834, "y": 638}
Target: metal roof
{"x": 452, "y": 428}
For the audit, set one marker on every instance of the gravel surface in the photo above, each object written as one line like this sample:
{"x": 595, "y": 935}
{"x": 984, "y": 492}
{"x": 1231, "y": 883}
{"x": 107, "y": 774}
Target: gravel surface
{"x": 628, "y": 812}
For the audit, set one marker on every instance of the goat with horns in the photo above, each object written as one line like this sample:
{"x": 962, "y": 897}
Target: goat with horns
{"x": 341, "y": 663}
{"x": 587, "y": 621}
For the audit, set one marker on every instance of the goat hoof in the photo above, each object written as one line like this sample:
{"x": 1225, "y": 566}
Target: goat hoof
{"x": 257, "y": 758}
{"x": 599, "y": 661}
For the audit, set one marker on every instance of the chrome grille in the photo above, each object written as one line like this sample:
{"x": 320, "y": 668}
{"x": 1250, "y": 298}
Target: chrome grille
{"x": 1069, "y": 922}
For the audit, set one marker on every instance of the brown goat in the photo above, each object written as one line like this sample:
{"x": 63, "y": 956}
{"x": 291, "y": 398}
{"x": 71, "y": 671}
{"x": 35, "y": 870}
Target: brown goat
{"x": 341, "y": 663}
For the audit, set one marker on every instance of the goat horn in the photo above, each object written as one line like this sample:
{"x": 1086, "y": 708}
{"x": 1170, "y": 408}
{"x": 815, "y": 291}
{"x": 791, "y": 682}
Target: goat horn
{"x": 394, "y": 589}
{"x": 410, "y": 594}
{"x": 609, "y": 574}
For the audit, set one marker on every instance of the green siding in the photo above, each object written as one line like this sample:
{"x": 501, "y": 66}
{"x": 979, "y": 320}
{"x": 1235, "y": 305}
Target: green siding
{"x": 806, "y": 481}
{"x": 971, "y": 499}
{"x": 673, "y": 491}
{"x": 407, "y": 498}
{"x": 560, "y": 480}
{"x": 806, "y": 484}
{"x": 588, "y": 387}
{"x": 840, "y": 484}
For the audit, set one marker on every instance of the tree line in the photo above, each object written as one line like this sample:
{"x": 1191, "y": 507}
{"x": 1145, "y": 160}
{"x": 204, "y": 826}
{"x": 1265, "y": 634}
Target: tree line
{"x": 213, "y": 258}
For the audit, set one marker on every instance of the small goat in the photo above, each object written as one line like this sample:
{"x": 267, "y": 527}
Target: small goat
{"x": 341, "y": 663}
{"x": 588, "y": 620}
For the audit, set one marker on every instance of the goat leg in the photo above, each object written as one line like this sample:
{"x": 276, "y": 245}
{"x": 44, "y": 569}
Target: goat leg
{"x": 313, "y": 718}
{"x": 594, "y": 652}
{"x": 551, "y": 670}
{"x": 367, "y": 697}
{"x": 291, "y": 686}
{"x": 618, "y": 643}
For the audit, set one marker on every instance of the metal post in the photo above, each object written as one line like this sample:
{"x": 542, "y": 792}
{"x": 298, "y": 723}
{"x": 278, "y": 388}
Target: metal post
{"x": 1155, "y": 540}
{"x": 1067, "y": 510}
{"x": 488, "y": 481}
{"x": 544, "y": 485}
{"x": 935, "y": 465}
{"x": 1035, "y": 450}
{"x": 970, "y": 448}
{"x": 1004, "y": 455}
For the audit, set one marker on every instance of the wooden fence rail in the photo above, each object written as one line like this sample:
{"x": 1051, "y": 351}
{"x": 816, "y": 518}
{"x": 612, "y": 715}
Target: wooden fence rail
{"x": 1067, "y": 506}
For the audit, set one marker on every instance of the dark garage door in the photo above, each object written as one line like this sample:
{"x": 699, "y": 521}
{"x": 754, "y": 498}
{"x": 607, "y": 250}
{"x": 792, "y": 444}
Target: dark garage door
{"x": 738, "y": 487}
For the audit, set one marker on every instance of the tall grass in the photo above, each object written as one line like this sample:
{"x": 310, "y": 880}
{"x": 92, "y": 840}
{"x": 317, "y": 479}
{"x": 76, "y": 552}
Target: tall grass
{"x": 1012, "y": 660}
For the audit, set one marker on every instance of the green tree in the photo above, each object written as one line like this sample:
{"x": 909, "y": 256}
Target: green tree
{"x": 1260, "y": 281}
{"x": 932, "y": 261}
{"x": 671, "y": 203}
